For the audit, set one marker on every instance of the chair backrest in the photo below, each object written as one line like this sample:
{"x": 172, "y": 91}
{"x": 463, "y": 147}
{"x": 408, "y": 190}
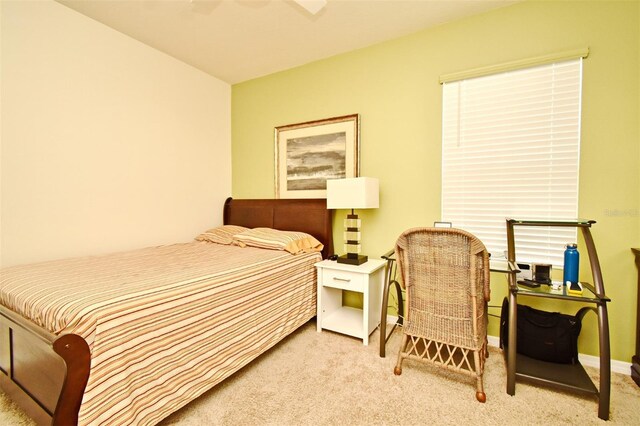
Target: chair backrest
{"x": 445, "y": 272}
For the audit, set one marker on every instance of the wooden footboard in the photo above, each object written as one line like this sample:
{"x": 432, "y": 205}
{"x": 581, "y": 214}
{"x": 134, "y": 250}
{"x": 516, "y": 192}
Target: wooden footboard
{"x": 44, "y": 374}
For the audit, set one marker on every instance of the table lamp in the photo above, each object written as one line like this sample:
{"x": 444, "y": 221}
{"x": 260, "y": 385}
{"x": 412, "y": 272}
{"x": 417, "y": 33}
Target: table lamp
{"x": 352, "y": 193}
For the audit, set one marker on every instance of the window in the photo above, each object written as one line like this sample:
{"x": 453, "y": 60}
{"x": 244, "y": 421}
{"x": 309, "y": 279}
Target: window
{"x": 510, "y": 148}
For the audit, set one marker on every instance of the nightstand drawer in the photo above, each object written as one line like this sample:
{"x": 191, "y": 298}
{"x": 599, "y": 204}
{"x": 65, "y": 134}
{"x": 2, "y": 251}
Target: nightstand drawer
{"x": 345, "y": 280}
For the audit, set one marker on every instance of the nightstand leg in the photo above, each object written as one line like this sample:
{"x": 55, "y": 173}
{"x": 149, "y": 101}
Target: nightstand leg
{"x": 319, "y": 301}
{"x": 365, "y": 317}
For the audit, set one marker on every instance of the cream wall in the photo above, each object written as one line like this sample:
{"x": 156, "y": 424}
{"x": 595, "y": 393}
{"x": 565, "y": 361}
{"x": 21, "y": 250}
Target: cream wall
{"x": 107, "y": 144}
{"x": 394, "y": 87}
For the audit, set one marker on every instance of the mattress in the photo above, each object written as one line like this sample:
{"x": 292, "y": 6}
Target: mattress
{"x": 165, "y": 324}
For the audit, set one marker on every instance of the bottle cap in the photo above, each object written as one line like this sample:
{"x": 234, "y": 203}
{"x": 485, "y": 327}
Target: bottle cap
{"x": 571, "y": 245}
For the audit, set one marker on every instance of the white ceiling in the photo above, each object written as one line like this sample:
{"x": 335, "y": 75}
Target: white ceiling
{"x": 238, "y": 40}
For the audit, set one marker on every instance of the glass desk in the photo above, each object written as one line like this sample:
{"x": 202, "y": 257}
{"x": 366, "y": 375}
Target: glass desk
{"x": 570, "y": 377}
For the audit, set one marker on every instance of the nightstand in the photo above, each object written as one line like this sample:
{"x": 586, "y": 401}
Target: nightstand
{"x": 367, "y": 279}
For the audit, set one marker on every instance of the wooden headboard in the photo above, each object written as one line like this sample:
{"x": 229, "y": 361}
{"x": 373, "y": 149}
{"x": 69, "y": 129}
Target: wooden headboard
{"x": 304, "y": 215}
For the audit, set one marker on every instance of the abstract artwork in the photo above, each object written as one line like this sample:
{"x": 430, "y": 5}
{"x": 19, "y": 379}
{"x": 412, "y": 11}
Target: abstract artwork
{"x": 307, "y": 154}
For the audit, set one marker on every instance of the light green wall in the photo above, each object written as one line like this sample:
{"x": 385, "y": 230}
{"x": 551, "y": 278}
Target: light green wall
{"x": 394, "y": 87}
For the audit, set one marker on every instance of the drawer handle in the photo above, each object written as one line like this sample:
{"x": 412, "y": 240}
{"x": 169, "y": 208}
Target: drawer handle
{"x": 346, "y": 280}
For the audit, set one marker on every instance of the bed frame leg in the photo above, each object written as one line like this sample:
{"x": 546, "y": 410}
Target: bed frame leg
{"x": 74, "y": 350}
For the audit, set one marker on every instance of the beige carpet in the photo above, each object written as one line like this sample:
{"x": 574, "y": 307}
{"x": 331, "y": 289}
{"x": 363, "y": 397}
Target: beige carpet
{"x": 329, "y": 379}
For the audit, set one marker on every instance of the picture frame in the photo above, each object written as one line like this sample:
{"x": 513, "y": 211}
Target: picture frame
{"x": 307, "y": 154}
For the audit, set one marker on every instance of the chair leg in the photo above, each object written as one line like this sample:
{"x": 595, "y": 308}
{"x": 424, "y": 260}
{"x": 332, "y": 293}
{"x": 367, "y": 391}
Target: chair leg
{"x": 398, "y": 368}
{"x": 480, "y": 395}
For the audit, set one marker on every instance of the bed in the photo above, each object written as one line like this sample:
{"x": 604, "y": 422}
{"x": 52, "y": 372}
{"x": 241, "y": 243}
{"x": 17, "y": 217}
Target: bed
{"x": 191, "y": 315}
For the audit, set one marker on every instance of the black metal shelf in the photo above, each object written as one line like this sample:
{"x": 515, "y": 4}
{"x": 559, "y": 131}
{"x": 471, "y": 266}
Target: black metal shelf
{"x": 570, "y": 377}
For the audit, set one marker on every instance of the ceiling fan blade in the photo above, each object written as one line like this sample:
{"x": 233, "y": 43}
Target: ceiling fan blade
{"x": 312, "y": 6}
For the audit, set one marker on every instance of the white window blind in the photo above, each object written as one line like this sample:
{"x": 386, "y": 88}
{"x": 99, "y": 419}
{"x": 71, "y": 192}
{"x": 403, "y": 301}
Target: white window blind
{"x": 510, "y": 148}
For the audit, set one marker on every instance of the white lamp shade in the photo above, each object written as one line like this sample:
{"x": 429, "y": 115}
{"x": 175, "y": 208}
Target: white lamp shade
{"x": 353, "y": 193}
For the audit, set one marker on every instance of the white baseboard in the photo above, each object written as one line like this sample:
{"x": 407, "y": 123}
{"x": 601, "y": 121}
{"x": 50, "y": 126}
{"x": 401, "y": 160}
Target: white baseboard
{"x": 391, "y": 319}
{"x": 616, "y": 366}
{"x": 494, "y": 341}
{"x": 621, "y": 367}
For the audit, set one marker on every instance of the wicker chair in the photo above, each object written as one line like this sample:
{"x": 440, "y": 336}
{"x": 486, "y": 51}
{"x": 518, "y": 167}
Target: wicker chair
{"x": 446, "y": 274}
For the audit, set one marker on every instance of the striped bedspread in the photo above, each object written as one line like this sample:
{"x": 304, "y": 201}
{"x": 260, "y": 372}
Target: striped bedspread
{"x": 165, "y": 324}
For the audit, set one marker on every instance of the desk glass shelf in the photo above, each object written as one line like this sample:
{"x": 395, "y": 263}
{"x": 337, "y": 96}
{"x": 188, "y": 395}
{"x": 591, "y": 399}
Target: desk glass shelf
{"x": 545, "y": 290}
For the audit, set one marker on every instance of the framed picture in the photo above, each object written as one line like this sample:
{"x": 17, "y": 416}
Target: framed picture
{"x": 307, "y": 154}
